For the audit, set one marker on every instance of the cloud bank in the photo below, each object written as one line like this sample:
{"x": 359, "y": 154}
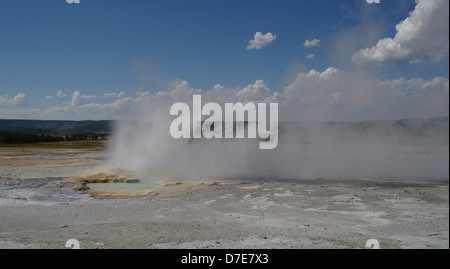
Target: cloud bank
{"x": 332, "y": 94}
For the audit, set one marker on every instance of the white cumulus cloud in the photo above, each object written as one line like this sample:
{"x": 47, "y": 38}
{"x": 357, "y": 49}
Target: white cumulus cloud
{"x": 79, "y": 99}
{"x": 256, "y": 91}
{"x": 311, "y": 43}
{"x": 18, "y": 100}
{"x": 60, "y": 94}
{"x": 261, "y": 40}
{"x": 337, "y": 95}
{"x": 113, "y": 95}
{"x": 423, "y": 36}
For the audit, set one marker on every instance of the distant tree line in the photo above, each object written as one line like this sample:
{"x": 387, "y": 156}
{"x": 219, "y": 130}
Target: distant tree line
{"x": 24, "y": 138}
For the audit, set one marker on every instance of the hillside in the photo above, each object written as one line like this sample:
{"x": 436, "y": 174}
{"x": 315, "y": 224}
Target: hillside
{"x": 55, "y": 126}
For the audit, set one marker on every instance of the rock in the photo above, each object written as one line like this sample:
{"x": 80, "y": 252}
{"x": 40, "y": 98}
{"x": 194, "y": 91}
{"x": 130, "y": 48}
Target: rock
{"x": 131, "y": 180}
{"x": 82, "y": 187}
{"x": 102, "y": 178}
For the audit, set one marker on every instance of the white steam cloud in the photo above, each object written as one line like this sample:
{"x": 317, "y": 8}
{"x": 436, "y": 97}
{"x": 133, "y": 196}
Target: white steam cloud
{"x": 319, "y": 136}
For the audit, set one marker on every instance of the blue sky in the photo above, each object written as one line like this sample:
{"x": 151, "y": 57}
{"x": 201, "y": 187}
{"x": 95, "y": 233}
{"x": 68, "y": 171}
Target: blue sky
{"x": 107, "y": 50}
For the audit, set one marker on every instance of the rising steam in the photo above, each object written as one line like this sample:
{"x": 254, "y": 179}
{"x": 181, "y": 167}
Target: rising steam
{"x": 309, "y": 147}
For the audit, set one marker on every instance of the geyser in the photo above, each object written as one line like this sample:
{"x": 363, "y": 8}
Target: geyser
{"x": 386, "y": 149}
